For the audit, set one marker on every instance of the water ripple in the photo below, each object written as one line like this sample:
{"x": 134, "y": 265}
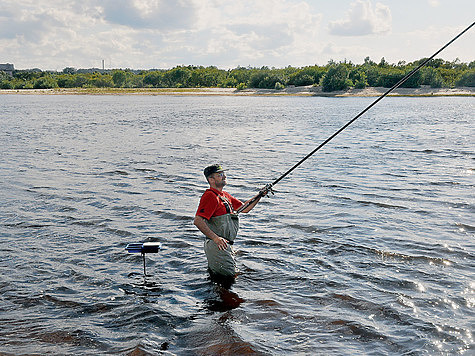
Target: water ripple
{"x": 366, "y": 249}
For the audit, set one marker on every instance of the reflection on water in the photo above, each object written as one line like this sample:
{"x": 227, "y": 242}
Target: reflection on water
{"x": 367, "y": 248}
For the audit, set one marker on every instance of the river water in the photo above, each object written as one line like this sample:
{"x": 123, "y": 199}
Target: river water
{"x": 366, "y": 249}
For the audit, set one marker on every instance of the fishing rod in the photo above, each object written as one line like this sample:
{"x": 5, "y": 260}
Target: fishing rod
{"x": 268, "y": 187}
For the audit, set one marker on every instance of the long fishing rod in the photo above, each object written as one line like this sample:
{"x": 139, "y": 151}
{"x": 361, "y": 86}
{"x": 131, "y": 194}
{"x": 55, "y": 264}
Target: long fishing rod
{"x": 268, "y": 187}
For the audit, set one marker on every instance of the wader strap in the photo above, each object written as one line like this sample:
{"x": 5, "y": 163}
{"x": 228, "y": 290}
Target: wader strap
{"x": 227, "y": 204}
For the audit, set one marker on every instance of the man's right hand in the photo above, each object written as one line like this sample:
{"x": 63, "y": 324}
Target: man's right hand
{"x": 222, "y": 243}
{"x": 201, "y": 224}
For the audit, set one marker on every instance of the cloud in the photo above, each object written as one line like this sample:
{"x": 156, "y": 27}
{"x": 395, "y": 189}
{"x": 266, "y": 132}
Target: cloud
{"x": 434, "y": 3}
{"x": 153, "y": 14}
{"x": 143, "y": 34}
{"x": 363, "y": 19}
{"x": 260, "y": 31}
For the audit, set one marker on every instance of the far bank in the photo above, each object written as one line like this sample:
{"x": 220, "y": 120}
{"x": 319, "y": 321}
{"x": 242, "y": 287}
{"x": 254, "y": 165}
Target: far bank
{"x": 288, "y": 91}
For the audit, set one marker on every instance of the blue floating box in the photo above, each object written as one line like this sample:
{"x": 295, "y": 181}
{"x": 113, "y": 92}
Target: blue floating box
{"x": 144, "y": 247}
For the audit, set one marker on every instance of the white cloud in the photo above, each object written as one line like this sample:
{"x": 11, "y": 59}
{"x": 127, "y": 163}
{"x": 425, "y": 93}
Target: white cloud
{"x": 142, "y": 34}
{"x": 363, "y": 19}
{"x": 265, "y": 31}
{"x": 154, "y": 14}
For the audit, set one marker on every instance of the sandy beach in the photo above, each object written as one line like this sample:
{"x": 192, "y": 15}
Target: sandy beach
{"x": 292, "y": 91}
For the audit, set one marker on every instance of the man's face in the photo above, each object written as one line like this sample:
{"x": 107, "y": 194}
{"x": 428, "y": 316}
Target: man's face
{"x": 219, "y": 179}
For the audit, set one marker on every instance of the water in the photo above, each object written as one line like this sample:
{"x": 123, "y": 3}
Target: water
{"x": 366, "y": 249}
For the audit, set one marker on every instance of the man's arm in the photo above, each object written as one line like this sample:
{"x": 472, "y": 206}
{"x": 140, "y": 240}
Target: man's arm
{"x": 254, "y": 200}
{"x": 202, "y": 225}
{"x": 253, "y": 204}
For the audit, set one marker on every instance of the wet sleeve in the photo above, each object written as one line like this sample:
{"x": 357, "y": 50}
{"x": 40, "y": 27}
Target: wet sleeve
{"x": 208, "y": 205}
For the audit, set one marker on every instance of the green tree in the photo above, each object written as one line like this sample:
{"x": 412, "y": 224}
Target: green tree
{"x": 69, "y": 70}
{"x": 358, "y": 77}
{"x": 414, "y": 80}
{"x": 177, "y": 77}
{"x": 301, "y": 78}
{"x": 389, "y": 76}
{"x": 449, "y": 76}
{"x": 65, "y": 80}
{"x": 6, "y": 84}
{"x": 432, "y": 77}
{"x": 336, "y": 78}
{"x": 80, "y": 80}
{"x": 467, "y": 79}
{"x": 101, "y": 81}
{"x": 228, "y": 82}
{"x": 372, "y": 75}
{"x": 241, "y": 75}
{"x": 369, "y": 62}
{"x": 134, "y": 81}
{"x": 265, "y": 79}
{"x": 27, "y": 75}
{"x": 21, "y": 84}
{"x": 46, "y": 82}
{"x": 206, "y": 77}
{"x": 383, "y": 63}
{"x": 241, "y": 86}
{"x": 119, "y": 78}
{"x": 153, "y": 79}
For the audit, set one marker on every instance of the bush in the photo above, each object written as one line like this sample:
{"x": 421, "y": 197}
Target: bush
{"x": 414, "y": 81}
{"x": 135, "y": 82}
{"x": 279, "y": 86}
{"x": 65, "y": 81}
{"x": 153, "y": 79}
{"x": 361, "y": 84}
{"x": 432, "y": 77}
{"x": 467, "y": 79}
{"x": 301, "y": 79}
{"x": 177, "y": 77}
{"x": 389, "y": 76}
{"x": 241, "y": 86}
{"x": 372, "y": 76}
{"x": 6, "y": 84}
{"x": 119, "y": 78}
{"x": 358, "y": 77}
{"x": 21, "y": 84}
{"x": 229, "y": 82}
{"x": 336, "y": 79}
{"x": 80, "y": 80}
{"x": 46, "y": 82}
{"x": 256, "y": 79}
{"x": 264, "y": 80}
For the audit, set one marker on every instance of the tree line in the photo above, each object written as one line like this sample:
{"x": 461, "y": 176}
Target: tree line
{"x": 333, "y": 76}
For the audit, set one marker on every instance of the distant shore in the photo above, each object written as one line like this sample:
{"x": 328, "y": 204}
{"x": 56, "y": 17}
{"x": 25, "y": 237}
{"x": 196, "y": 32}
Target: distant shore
{"x": 289, "y": 91}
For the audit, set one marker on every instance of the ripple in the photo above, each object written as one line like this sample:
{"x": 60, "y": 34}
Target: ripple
{"x": 364, "y": 249}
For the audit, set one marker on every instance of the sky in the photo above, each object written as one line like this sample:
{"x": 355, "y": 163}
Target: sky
{"x": 152, "y": 34}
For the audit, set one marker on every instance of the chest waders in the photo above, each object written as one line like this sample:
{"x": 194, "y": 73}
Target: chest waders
{"x": 222, "y": 262}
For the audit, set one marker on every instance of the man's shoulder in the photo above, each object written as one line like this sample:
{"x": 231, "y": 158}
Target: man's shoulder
{"x": 209, "y": 193}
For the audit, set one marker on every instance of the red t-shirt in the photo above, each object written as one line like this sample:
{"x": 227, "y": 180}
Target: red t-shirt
{"x": 212, "y": 205}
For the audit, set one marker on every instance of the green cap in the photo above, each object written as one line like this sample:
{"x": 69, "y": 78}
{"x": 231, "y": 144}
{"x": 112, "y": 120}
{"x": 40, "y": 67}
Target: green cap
{"x": 215, "y": 168}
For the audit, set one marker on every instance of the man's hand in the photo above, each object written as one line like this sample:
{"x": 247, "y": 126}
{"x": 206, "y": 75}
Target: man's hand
{"x": 201, "y": 224}
{"x": 222, "y": 243}
{"x": 266, "y": 190}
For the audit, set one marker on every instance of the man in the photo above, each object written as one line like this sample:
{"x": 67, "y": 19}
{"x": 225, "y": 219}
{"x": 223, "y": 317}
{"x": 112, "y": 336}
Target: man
{"x": 217, "y": 219}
